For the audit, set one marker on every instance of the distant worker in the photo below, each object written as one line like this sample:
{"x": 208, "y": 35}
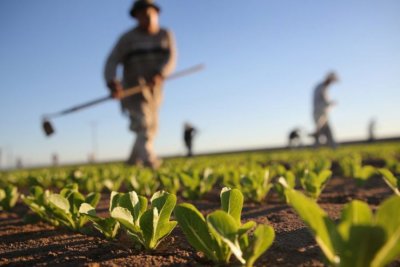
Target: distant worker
{"x": 54, "y": 159}
{"x": 188, "y": 134}
{"x": 371, "y": 130}
{"x": 322, "y": 105}
{"x": 147, "y": 54}
{"x": 295, "y": 138}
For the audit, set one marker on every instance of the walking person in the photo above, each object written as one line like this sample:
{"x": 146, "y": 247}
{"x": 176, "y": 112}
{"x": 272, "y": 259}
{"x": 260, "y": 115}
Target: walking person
{"x": 147, "y": 54}
{"x": 371, "y": 130}
{"x": 322, "y": 105}
{"x": 188, "y": 134}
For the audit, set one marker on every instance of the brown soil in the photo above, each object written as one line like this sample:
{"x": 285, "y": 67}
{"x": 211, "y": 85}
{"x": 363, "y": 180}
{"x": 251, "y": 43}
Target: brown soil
{"x": 39, "y": 244}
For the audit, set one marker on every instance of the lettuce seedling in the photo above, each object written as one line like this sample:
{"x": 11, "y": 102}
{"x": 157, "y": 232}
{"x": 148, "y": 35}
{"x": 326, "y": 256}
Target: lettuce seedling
{"x": 360, "y": 238}
{"x": 65, "y": 206}
{"x": 113, "y": 184}
{"x": 316, "y": 165}
{"x": 38, "y": 202}
{"x": 8, "y": 197}
{"x": 290, "y": 180}
{"x": 143, "y": 182}
{"x": 351, "y": 166}
{"x": 256, "y": 184}
{"x": 147, "y": 227}
{"x": 392, "y": 180}
{"x": 313, "y": 183}
{"x": 170, "y": 181}
{"x": 363, "y": 173}
{"x": 107, "y": 226}
{"x": 222, "y": 233}
{"x": 197, "y": 182}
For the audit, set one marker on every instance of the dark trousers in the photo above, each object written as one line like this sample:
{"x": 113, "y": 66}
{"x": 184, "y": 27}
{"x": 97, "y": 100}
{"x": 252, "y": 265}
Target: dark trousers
{"x": 188, "y": 144}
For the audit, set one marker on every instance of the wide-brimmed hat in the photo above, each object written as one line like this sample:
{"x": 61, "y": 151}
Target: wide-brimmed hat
{"x": 141, "y": 4}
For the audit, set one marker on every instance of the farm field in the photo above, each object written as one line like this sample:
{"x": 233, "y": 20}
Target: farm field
{"x": 272, "y": 186}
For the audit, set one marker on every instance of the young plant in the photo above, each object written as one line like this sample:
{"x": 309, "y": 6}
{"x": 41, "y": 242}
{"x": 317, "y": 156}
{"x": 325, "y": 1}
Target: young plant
{"x": 87, "y": 178}
{"x": 392, "y": 180}
{"x": 170, "y": 181}
{"x": 65, "y": 206}
{"x": 8, "y": 197}
{"x": 363, "y": 173}
{"x": 290, "y": 181}
{"x": 107, "y": 226}
{"x": 255, "y": 185}
{"x": 350, "y": 164}
{"x": 222, "y": 233}
{"x": 313, "y": 183}
{"x": 147, "y": 227}
{"x": 144, "y": 182}
{"x": 352, "y": 167}
{"x": 38, "y": 202}
{"x": 359, "y": 239}
{"x": 197, "y": 182}
{"x": 113, "y": 184}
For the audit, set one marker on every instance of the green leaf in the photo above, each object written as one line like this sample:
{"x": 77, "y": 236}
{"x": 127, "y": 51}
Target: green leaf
{"x": 114, "y": 200}
{"x": 148, "y": 225}
{"x": 12, "y": 191}
{"x": 388, "y": 217}
{"x": 232, "y": 203}
{"x": 354, "y": 213}
{"x": 314, "y": 183}
{"x": 391, "y": 180}
{"x": 245, "y": 228}
{"x": 93, "y": 199}
{"x": 290, "y": 179}
{"x": 262, "y": 239}
{"x": 107, "y": 226}
{"x": 59, "y": 202}
{"x": 2, "y": 194}
{"x": 320, "y": 225}
{"x": 74, "y": 198}
{"x": 165, "y": 204}
{"x": 60, "y": 208}
{"x": 125, "y": 217}
{"x": 195, "y": 229}
{"x": 136, "y": 205}
{"x": 87, "y": 209}
{"x": 225, "y": 226}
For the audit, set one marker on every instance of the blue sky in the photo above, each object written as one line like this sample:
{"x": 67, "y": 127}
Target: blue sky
{"x": 262, "y": 59}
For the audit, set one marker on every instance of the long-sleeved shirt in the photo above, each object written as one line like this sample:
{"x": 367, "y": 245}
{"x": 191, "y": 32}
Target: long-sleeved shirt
{"x": 142, "y": 55}
{"x": 321, "y": 104}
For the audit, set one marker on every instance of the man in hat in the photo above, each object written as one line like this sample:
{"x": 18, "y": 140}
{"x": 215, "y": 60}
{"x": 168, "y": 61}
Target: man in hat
{"x": 147, "y": 54}
{"x": 322, "y": 105}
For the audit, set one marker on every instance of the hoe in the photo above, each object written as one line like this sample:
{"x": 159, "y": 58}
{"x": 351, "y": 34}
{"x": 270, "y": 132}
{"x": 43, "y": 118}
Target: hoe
{"x": 48, "y": 127}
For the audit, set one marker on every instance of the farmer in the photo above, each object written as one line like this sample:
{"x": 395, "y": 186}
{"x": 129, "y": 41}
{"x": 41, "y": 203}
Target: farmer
{"x": 294, "y": 138}
{"x": 371, "y": 130}
{"x": 188, "y": 134}
{"x": 147, "y": 54}
{"x": 322, "y": 105}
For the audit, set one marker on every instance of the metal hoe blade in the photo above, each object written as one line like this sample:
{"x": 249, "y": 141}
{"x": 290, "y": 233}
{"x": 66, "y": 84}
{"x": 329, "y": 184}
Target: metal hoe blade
{"x": 47, "y": 127}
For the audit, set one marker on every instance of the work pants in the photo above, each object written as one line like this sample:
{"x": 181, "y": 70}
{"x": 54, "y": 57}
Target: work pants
{"x": 325, "y": 131}
{"x": 144, "y": 122}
